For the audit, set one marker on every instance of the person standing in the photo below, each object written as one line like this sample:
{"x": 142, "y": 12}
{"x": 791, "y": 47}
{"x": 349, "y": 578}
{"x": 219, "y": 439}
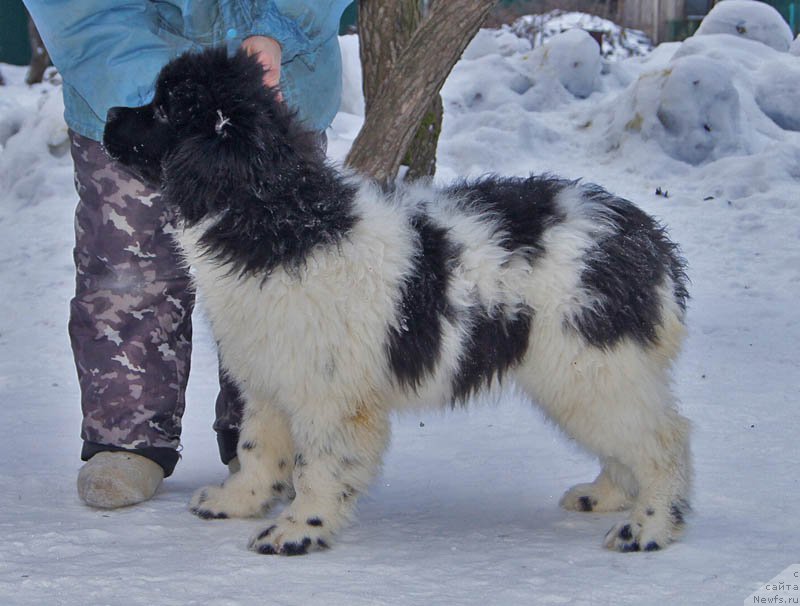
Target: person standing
{"x": 130, "y": 320}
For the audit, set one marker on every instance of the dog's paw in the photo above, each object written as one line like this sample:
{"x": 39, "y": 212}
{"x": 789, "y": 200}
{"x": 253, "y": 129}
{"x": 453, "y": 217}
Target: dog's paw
{"x": 630, "y": 536}
{"x": 219, "y": 503}
{"x": 649, "y": 529}
{"x": 591, "y": 497}
{"x": 291, "y": 537}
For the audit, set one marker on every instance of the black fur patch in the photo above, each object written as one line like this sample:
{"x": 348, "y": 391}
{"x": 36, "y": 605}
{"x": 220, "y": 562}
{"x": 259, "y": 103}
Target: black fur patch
{"x": 281, "y": 227}
{"x": 523, "y": 208}
{"x": 205, "y": 514}
{"x": 348, "y": 493}
{"x": 623, "y": 272}
{"x": 494, "y": 345}
{"x": 295, "y": 549}
{"x": 678, "y": 510}
{"x": 266, "y": 532}
{"x": 414, "y": 346}
{"x": 223, "y": 145}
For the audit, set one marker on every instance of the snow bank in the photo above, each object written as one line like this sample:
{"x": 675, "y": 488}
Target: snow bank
{"x": 503, "y": 42}
{"x": 691, "y": 108}
{"x": 795, "y": 47}
{"x": 488, "y": 80}
{"x": 716, "y": 96}
{"x": 748, "y": 19}
{"x": 704, "y": 106}
{"x": 618, "y": 42}
{"x": 573, "y": 58}
{"x": 778, "y": 92}
{"x": 352, "y": 91}
{"x": 500, "y": 73}
{"x": 33, "y": 138}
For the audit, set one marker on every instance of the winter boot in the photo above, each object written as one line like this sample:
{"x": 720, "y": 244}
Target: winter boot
{"x": 116, "y": 479}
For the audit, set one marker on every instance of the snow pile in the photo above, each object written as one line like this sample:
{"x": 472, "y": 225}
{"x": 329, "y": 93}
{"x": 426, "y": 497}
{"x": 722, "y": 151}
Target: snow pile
{"x": 32, "y": 133}
{"x": 795, "y": 47}
{"x": 714, "y": 102}
{"x": 778, "y": 92}
{"x": 691, "y": 108}
{"x": 352, "y": 91}
{"x": 618, "y": 42}
{"x": 748, "y": 19}
{"x": 503, "y": 42}
{"x": 716, "y": 96}
{"x": 499, "y": 70}
{"x": 573, "y": 57}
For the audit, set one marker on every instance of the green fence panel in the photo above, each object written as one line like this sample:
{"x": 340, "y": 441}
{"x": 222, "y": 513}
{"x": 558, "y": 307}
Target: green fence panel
{"x": 14, "y": 45}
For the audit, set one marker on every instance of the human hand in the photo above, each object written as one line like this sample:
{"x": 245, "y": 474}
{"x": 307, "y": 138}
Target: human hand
{"x": 267, "y": 52}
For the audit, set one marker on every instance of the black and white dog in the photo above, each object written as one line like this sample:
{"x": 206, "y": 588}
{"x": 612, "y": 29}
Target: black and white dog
{"x": 334, "y": 303}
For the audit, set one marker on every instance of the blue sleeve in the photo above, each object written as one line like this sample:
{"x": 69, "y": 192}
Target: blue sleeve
{"x": 109, "y": 52}
{"x": 300, "y": 26}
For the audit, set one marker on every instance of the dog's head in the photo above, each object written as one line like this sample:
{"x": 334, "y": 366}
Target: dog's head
{"x": 211, "y": 130}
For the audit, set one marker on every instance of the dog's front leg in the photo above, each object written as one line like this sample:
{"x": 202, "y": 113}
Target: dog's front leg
{"x": 265, "y": 452}
{"x": 335, "y": 462}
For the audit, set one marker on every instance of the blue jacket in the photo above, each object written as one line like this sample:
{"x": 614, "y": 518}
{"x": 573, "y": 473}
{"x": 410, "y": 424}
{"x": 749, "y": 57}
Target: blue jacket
{"x": 109, "y": 53}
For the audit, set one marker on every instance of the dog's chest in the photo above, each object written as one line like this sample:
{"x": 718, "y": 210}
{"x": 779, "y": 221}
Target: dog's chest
{"x": 292, "y": 331}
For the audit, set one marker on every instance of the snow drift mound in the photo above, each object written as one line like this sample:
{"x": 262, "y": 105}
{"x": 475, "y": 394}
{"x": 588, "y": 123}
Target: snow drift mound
{"x": 778, "y": 93}
{"x": 500, "y": 68}
{"x": 573, "y": 58}
{"x": 32, "y": 143}
{"x": 717, "y": 96}
{"x": 691, "y": 108}
{"x": 748, "y": 19}
{"x": 795, "y": 48}
{"x": 497, "y": 72}
{"x": 352, "y": 91}
{"x": 618, "y": 42}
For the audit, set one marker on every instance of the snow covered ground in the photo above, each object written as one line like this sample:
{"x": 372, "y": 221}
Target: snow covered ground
{"x": 465, "y": 511}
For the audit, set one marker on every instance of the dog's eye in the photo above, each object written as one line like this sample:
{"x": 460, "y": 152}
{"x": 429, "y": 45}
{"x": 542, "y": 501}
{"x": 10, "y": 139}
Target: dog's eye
{"x": 160, "y": 114}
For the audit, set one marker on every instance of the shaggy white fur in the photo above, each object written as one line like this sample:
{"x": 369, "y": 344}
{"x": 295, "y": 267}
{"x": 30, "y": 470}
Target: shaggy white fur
{"x": 308, "y": 350}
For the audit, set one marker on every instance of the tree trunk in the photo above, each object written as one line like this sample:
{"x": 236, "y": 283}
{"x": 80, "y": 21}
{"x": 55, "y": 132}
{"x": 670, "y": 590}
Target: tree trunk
{"x": 401, "y": 79}
{"x": 385, "y": 29}
{"x": 40, "y": 59}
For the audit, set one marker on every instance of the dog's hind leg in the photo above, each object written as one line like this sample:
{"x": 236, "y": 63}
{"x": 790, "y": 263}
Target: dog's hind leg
{"x": 613, "y": 490}
{"x": 265, "y": 453}
{"x": 335, "y": 462}
{"x": 617, "y": 403}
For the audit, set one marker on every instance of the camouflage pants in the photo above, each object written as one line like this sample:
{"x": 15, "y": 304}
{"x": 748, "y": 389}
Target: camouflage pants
{"x": 130, "y": 321}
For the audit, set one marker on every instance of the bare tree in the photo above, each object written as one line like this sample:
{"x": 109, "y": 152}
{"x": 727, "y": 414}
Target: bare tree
{"x": 385, "y": 29}
{"x": 408, "y": 56}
